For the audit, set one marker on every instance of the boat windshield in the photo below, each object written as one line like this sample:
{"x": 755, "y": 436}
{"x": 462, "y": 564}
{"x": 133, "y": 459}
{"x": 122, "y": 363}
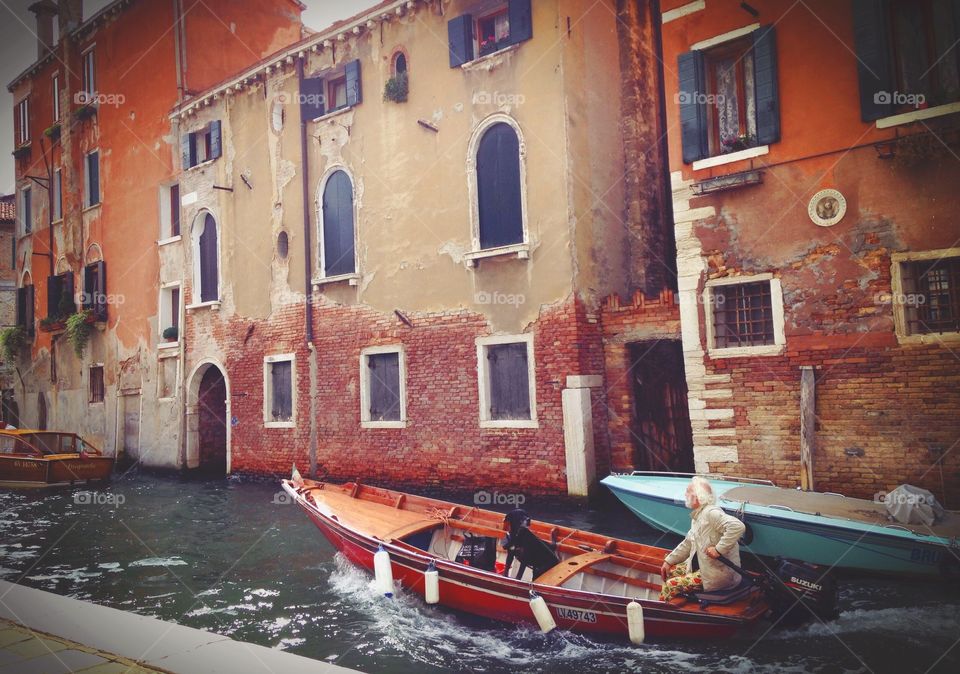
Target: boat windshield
{"x": 12, "y": 444}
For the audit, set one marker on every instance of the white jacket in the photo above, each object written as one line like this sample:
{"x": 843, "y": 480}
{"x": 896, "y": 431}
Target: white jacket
{"x": 711, "y": 526}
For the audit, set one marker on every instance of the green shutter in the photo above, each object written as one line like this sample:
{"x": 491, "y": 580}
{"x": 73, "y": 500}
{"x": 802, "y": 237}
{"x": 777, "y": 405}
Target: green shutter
{"x": 693, "y": 109}
{"x": 871, "y": 36}
{"x": 766, "y": 85}
{"x": 460, "y": 35}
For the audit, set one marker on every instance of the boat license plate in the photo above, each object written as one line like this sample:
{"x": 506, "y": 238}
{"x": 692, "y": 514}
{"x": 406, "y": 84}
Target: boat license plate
{"x": 577, "y": 614}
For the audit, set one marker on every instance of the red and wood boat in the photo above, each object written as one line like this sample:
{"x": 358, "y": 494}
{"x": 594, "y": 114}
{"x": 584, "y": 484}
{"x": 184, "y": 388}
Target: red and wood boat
{"x": 588, "y": 591}
{"x": 49, "y": 458}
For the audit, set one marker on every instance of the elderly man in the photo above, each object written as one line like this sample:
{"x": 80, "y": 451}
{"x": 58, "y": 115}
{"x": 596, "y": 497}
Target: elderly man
{"x": 712, "y": 533}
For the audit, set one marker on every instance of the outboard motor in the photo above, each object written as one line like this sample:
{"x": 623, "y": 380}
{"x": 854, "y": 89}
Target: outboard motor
{"x": 797, "y": 589}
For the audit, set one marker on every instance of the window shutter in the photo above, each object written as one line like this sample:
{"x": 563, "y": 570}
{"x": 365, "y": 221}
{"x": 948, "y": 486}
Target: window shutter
{"x": 22, "y": 306}
{"x": 186, "y": 150}
{"x": 215, "y": 140}
{"x": 384, "y": 373}
{"x": 68, "y": 290}
{"x": 29, "y": 310}
{"x": 766, "y": 85}
{"x": 498, "y": 188}
{"x": 354, "y": 84}
{"x": 209, "y": 282}
{"x": 100, "y": 293}
{"x": 54, "y": 289}
{"x": 871, "y": 38}
{"x": 693, "y": 109}
{"x": 509, "y": 382}
{"x": 338, "y": 248}
{"x": 460, "y": 35}
{"x": 521, "y": 21}
{"x": 311, "y": 98}
{"x": 282, "y": 405}
{"x": 93, "y": 168}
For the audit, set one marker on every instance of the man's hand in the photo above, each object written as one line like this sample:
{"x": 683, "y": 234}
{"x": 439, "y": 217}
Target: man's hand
{"x": 665, "y": 569}
{"x": 712, "y": 551}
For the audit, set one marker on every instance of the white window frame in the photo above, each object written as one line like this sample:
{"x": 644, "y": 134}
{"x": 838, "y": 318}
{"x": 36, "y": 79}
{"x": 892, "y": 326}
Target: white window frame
{"x": 365, "y": 420}
{"x": 56, "y": 196}
{"x": 23, "y": 118}
{"x": 195, "y": 253}
{"x": 898, "y": 297}
{"x": 165, "y": 313}
{"x": 483, "y": 381}
{"x": 88, "y": 77}
{"x": 87, "y": 196}
{"x": 319, "y": 278}
{"x": 522, "y": 249}
{"x": 55, "y": 84}
{"x": 268, "y": 421}
{"x": 776, "y": 304}
{"x": 166, "y": 214}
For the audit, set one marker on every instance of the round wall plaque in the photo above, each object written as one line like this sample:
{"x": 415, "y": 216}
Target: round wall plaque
{"x": 827, "y": 208}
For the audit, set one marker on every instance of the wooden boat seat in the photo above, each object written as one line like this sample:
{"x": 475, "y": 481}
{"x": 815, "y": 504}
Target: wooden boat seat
{"x": 570, "y": 567}
{"x": 835, "y": 505}
{"x": 376, "y": 519}
{"x": 411, "y": 529}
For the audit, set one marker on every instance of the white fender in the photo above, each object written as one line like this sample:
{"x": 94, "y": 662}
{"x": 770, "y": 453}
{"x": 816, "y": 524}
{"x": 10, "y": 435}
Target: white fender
{"x": 635, "y": 623}
{"x": 382, "y": 572}
{"x": 431, "y": 584}
{"x": 542, "y": 613}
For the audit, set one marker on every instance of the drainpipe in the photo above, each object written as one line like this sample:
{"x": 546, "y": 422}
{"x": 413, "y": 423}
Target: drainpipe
{"x": 178, "y": 48}
{"x": 307, "y": 272}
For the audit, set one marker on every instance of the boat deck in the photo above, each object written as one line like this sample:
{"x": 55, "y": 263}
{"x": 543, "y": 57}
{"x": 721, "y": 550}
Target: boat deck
{"x": 835, "y": 505}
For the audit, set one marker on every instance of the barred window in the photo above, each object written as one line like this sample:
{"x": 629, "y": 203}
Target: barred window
{"x": 743, "y": 315}
{"x": 96, "y": 383}
{"x": 931, "y": 295}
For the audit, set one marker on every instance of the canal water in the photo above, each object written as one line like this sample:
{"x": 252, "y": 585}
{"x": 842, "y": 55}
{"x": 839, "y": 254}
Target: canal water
{"x": 235, "y": 557}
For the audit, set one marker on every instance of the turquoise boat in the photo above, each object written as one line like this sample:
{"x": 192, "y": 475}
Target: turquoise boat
{"x": 821, "y": 528}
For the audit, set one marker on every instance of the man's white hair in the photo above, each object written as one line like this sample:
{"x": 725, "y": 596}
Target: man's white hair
{"x": 703, "y": 490}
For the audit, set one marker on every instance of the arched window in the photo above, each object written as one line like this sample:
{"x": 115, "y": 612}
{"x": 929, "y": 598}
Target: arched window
{"x": 499, "y": 198}
{"x": 337, "y": 256}
{"x": 206, "y": 254}
{"x": 399, "y": 63}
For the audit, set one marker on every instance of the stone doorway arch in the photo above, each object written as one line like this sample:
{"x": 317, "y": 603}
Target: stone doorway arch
{"x": 208, "y": 419}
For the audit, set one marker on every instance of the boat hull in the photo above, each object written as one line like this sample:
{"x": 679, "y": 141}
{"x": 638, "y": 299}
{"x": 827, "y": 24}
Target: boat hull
{"x": 504, "y": 599}
{"x": 22, "y": 471}
{"x": 838, "y": 544}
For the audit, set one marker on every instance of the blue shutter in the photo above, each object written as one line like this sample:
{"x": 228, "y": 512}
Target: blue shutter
{"x": 498, "y": 187}
{"x": 209, "y": 273}
{"x": 311, "y": 98}
{"x": 460, "y": 35}
{"x": 338, "y": 249}
{"x": 693, "y": 109}
{"x": 871, "y": 38}
{"x": 100, "y": 292}
{"x": 521, "y": 21}
{"x": 354, "y": 85}
{"x": 766, "y": 85}
{"x": 186, "y": 150}
{"x": 216, "y": 142}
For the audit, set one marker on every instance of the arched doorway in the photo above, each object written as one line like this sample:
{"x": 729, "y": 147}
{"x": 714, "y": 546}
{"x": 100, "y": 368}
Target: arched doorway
{"x": 208, "y": 430}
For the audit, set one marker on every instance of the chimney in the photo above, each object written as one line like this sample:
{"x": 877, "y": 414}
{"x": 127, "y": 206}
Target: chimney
{"x": 44, "y": 10}
{"x": 71, "y": 15}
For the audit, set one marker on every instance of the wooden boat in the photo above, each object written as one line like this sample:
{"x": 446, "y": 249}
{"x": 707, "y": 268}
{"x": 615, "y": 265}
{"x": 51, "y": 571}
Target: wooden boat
{"x": 588, "y": 591}
{"x": 828, "y": 529}
{"x": 49, "y": 458}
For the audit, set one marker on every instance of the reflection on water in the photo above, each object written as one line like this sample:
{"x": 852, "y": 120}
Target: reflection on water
{"x": 230, "y": 557}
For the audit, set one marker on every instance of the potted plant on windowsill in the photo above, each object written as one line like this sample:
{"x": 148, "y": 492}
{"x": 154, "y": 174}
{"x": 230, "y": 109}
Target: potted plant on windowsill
{"x": 397, "y": 88}
{"x": 22, "y": 151}
{"x": 52, "y": 324}
{"x": 78, "y": 328}
{"x": 53, "y": 131}
{"x": 171, "y": 334}
{"x": 85, "y": 111}
{"x": 12, "y": 340}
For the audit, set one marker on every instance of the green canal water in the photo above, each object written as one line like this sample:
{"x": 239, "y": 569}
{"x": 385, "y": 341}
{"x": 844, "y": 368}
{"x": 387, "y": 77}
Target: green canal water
{"x": 234, "y": 557}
